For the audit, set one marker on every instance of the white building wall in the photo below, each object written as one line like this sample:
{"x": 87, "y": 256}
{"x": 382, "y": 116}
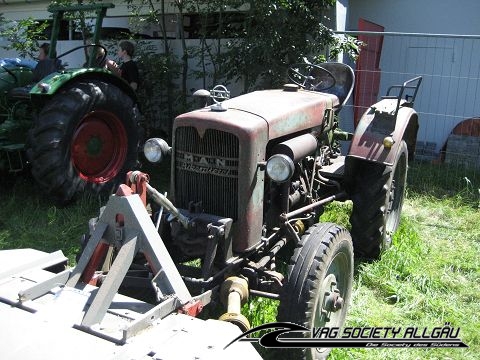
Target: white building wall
{"x": 449, "y": 66}
{"x": 423, "y": 16}
{"x": 37, "y": 9}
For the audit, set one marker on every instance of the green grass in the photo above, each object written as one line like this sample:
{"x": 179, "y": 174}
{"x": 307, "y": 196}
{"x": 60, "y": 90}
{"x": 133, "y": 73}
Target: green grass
{"x": 430, "y": 276}
{"x": 30, "y": 220}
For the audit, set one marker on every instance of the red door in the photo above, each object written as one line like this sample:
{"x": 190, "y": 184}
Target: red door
{"x": 367, "y": 73}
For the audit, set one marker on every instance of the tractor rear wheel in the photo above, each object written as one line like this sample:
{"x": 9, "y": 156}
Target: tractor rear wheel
{"x": 377, "y": 198}
{"x": 319, "y": 284}
{"x": 84, "y": 138}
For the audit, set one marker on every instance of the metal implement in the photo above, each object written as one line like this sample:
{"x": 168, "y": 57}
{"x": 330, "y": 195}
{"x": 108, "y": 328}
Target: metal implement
{"x": 56, "y": 309}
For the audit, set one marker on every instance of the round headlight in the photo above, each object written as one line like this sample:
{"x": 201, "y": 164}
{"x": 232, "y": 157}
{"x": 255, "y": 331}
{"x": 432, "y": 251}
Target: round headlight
{"x": 156, "y": 149}
{"x": 280, "y": 168}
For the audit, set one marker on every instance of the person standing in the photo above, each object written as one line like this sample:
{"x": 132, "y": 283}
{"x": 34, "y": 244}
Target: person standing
{"x": 128, "y": 69}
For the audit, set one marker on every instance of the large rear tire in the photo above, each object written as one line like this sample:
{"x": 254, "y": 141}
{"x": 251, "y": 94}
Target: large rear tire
{"x": 319, "y": 284}
{"x": 377, "y": 198}
{"x": 84, "y": 138}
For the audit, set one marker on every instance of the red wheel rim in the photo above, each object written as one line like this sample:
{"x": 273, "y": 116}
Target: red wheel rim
{"x": 99, "y": 147}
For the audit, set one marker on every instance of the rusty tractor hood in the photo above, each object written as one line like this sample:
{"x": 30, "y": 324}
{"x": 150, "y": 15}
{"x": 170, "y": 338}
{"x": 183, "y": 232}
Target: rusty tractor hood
{"x": 280, "y": 112}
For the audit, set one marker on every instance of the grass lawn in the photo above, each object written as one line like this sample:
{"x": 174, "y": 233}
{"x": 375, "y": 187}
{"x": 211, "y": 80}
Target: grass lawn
{"x": 429, "y": 277}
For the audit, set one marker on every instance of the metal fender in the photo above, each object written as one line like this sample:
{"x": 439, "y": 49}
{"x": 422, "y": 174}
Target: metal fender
{"x": 53, "y": 83}
{"x": 379, "y": 133}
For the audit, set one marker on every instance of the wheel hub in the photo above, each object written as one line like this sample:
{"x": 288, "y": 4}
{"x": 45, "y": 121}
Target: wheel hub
{"x": 94, "y": 146}
{"x": 99, "y": 147}
{"x": 332, "y": 301}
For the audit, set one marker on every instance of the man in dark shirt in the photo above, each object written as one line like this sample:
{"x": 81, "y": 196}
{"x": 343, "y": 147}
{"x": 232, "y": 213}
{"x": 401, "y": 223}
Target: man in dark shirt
{"x": 128, "y": 69}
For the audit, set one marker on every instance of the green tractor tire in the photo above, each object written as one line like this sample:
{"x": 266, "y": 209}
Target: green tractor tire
{"x": 85, "y": 138}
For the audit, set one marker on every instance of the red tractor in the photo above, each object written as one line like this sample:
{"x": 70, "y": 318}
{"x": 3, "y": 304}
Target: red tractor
{"x": 250, "y": 177}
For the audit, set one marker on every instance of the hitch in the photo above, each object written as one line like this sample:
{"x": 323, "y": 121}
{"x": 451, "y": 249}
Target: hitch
{"x": 139, "y": 181}
{"x": 125, "y": 225}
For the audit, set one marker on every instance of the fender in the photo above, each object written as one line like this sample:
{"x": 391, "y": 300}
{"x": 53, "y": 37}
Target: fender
{"x": 379, "y": 122}
{"x": 53, "y": 83}
{"x": 13, "y": 76}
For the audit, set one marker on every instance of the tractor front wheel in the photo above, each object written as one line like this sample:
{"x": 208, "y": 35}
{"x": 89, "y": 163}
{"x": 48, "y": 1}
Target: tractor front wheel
{"x": 319, "y": 284}
{"x": 84, "y": 138}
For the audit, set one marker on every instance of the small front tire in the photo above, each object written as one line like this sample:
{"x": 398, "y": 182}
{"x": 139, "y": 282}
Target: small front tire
{"x": 319, "y": 283}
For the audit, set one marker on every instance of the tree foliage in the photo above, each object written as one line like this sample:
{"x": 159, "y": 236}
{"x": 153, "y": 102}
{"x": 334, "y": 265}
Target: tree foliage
{"x": 23, "y": 36}
{"x": 253, "y": 49}
{"x": 159, "y": 94}
{"x": 278, "y": 33}
{"x": 273, "y": 35}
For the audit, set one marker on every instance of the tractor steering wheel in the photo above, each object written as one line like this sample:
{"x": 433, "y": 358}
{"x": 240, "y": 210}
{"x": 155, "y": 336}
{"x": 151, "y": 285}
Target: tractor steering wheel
{"x": 311, "y": 77}
{"x": 98, "y": 61}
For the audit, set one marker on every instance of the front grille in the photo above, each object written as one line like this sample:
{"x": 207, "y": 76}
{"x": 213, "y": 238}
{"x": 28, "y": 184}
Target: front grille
{"x": 206, "y": 171}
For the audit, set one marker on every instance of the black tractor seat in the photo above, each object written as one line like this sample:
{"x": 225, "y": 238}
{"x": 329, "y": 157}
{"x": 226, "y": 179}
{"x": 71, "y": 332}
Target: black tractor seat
{"x": 345, "y": 79}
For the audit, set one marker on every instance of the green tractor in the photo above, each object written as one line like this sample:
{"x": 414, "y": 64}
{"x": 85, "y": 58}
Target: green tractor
{"x": 76, "y": 129}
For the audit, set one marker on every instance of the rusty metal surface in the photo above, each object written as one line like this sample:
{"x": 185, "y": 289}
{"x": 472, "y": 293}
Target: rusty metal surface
{"x": 374, "y": 126}
{"x": 254, "y": 119}
{"x": 286, "y": 112}
{"x": 252, "y": 134}
{"x": 298, "y": 147}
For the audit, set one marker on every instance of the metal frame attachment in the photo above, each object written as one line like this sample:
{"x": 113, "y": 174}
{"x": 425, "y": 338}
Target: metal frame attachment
{"x": 124, "y": 225}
